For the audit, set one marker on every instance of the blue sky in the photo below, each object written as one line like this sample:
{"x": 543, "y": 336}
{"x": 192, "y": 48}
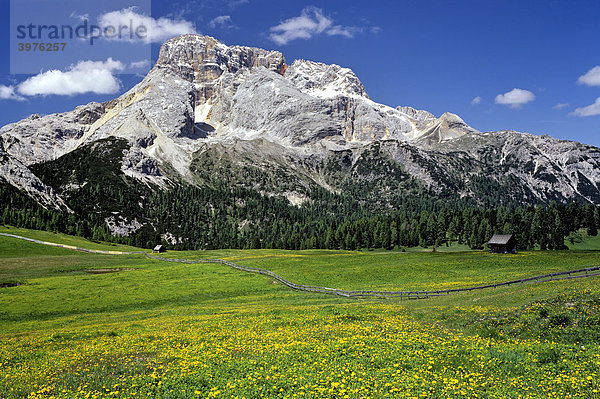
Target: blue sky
{"x": 465, "y": 57}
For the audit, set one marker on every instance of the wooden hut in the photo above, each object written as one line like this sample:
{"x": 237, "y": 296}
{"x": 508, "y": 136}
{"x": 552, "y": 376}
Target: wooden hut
{"x": 503, "y": 244}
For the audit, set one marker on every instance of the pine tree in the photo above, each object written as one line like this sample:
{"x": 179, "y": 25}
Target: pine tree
{"x": 393, "y": 234}
{"x": 558, "y": 232}
{"x": 255, "y": 243}
{"x": 590, "y": 218}
{"x": 539, "y": 228}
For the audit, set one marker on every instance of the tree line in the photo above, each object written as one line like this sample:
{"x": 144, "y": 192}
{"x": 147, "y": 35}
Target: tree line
{"x": 236, "y": 217}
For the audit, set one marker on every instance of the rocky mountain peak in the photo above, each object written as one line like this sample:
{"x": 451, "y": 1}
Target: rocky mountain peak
{"x": 202, "y": 59}
{"x": 447, "y": 127}
{"x": 325, "y": 81}
{"x": 417, "y": 114}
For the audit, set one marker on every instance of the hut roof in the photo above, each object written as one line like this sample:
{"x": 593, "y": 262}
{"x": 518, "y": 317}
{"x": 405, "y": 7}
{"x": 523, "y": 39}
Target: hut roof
{"x": 500, "y": 239}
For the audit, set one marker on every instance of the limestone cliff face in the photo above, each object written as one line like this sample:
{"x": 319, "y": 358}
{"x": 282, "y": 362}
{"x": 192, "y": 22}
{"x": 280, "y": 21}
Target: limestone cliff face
{"x": 203, "y": 95}
{"x": 15, "y": 173}
{"x": 202, "y": 60}
{"x": 326, "y": 81}
{"x": 37, "y": 139}
{"x": 446, "y": 127}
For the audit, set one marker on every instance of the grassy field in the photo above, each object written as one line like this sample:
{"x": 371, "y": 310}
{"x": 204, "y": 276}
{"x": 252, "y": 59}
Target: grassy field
{"x": 588, "y": 243}
{"x": 164, "y": 330}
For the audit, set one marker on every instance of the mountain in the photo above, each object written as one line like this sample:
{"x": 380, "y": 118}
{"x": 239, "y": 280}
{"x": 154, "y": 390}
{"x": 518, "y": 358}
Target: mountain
{"x": 211, "y": 116}
{"x": 20, "y": 177}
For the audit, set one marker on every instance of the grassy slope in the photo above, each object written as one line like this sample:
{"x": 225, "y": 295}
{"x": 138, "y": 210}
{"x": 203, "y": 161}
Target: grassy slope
{"x": 58, "y": 285}
{"x": 63, "y": 308}
{"x": 58, "y": 289}
{"x": 61, "y": 239}
{"x": 589, "y": 244}
{"x": 393, "y": 270}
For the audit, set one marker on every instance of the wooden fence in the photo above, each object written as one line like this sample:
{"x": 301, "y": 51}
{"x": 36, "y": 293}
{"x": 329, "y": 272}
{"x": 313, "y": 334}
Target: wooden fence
{"x": 573, "y": 274}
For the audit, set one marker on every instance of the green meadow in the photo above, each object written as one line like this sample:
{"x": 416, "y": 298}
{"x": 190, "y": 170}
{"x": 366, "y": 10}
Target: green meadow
{"x": 80, "y": 325}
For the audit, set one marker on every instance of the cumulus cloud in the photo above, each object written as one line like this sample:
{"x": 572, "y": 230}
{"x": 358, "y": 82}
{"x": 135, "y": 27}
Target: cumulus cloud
{"x": 346, "y": 31}
{"x": 84, "y": 77}
{"x": 157, "y": 30}
{"x": 222, "y": 21}
{"x": 591, "y": 77}
{"x": 515, "y": 98}
{"x": 477, "y": 100}
{"x": 590, "y": 110}
{"x": 561, "y": 106}
{"x": 9, "y": 93}
{"x": 311, "y": 22}
{"x": 143, "y": 64}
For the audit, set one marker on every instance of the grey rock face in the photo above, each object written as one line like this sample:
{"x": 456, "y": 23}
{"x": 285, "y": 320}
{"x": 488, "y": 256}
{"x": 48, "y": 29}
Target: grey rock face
{"x": 446, "y": 127}
{"x": 37, "y": 139}
{"x": 323, "y": 80}
{"x": 120, "y": 226}
{"x": 202, "y": 60}
{"x": 549, "y": 168}
{"x": 417, "y": 114}
{"x": 18, "y": 175}
{"x": 260, "y": 103}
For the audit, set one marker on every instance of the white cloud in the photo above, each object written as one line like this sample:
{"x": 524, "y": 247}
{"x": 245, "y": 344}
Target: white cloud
{"x": 222, "y": 21}
{"x": 8, "y": 93}
{"x": 346, "y": 31}
{"x": 311, "y": 22}
{"x": 236, "y": 3}
{"x": 515, "y": 98}
{"x": 157, "y": 30}
{"x": 561, "y": 105}
{"x": 590, "y": 110}
{"x": 477, "y": 100}
{"x": 143, "y": 64}
{"x": 591, "y": 77}
{"x": 84, "y": 77}
{"x": 376, "y": 29}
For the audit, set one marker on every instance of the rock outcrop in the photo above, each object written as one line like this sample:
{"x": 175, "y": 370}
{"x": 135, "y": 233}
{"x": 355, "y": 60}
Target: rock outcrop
{"x": 19, "y": 176}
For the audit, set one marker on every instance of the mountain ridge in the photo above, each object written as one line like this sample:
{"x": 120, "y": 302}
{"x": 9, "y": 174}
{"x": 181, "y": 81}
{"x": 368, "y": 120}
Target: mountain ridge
{"x": 299, "y": 126}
